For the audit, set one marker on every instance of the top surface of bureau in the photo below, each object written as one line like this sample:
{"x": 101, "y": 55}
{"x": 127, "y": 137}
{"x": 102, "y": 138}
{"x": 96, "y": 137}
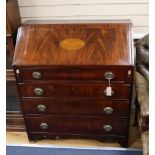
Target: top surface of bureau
{"x": 74, "y": 43}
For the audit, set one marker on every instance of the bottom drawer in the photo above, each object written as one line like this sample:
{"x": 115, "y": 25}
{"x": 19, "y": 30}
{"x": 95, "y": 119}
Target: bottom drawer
{"x": 77, "y": 125}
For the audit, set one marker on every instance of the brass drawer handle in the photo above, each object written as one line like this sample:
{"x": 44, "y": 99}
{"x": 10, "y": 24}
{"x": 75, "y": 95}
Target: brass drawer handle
{"x": 36, "y": 75}
{"x": 107, "y": 128}
{"x": 43, "y": 126}
{"x": 38, "y": 91}
{"x": 41, "y": 108}
{"x": 109, "y": 75}
{"x": 108, "y": 110}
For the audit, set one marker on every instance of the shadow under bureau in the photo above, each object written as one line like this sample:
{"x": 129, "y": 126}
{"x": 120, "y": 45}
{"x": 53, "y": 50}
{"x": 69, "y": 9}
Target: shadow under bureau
{"x": 75, "y": 79}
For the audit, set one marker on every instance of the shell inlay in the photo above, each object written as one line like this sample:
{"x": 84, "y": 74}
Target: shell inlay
{"x": 72, "y": 44}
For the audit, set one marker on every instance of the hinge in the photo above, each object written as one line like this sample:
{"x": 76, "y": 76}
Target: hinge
{"x": 129, "y": 76}
{"x": 17, "y": 73}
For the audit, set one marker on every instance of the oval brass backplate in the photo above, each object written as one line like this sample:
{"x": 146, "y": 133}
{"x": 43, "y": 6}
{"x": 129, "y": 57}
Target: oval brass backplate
{"x": 72, "y": 44}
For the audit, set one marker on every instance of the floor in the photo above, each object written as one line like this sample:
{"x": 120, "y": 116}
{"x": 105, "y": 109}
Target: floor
{"x": 18, "y": 144}
{"x": 22, "y": 150}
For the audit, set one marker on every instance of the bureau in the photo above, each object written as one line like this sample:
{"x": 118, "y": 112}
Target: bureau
{"x": 75, "y": 79}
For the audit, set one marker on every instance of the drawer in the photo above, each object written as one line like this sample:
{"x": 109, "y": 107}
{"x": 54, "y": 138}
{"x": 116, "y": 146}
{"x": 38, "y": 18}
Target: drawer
{"x": 119, "y": 73}
{"x": 76, "y": 107}
{"x": 72, "y": 90}
{"x": 77, "y": 125}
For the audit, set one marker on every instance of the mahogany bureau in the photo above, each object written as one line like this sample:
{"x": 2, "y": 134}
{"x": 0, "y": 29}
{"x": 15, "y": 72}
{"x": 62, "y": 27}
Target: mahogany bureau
{"x": 75, "y": 79}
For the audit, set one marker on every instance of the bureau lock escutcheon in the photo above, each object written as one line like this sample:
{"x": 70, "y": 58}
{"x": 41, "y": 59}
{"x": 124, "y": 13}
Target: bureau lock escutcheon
{"x": 109, "y": 75}
{"x": 108, "y": 91}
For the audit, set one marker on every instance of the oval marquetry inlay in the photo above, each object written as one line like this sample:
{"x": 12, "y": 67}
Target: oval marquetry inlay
{"x": 72, "y": 44}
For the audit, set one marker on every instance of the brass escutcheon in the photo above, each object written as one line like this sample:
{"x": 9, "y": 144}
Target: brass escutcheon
{"x": 107, "y": 128}
{"x": 41, "y": 108}
{"x": 108, "y": 110}
{"x": 109, "y": 75}
{"x": 43, "y": 126}
{"x": 38, "y": 91}
{"x": 36, "y": 75}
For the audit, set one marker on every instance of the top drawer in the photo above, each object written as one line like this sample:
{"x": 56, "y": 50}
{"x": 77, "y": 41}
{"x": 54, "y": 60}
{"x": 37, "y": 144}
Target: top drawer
{"x": 117, "y": 73}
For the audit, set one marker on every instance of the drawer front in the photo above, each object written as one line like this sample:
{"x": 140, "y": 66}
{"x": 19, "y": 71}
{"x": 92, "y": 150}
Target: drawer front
{"x": 25, "y": 74}
{"x": 76, "y": 107}
{"x": 77, "y": 125}
{"x": 72, "y": 90}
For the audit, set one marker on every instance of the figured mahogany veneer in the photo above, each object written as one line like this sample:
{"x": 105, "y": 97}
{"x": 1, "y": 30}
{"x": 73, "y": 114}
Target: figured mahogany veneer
{"x": 78, "y": 73}
{"x": 77, "y": 125}
{"x": 79, "y": 106}
{"x": 61, "y": 72}
{"x": 74, "y": 90}
{"x": 105, "y": 44}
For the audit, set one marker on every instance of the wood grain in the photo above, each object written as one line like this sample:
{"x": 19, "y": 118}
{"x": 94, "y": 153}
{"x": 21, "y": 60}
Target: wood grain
{"x": 72, "y": 79}
{"x": 105, "y": 44}
{"x": 15, "y": 121}
{"x": 76, "y": 107}
{"x": 21, "y": 138}
{"x": 77, "y": 125}
{"x": 60, "y": 89}
{"x": 13, "y": 16}
{"x": 74, "y": 73}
